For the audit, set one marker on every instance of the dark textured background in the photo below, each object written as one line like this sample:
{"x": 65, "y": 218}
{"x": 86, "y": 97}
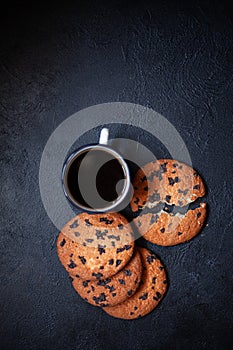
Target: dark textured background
{"x": 173, "y": 57}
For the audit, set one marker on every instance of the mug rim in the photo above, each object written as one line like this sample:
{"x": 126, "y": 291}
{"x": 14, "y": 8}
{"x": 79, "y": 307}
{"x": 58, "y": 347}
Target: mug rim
{"x": 70, "y": 159}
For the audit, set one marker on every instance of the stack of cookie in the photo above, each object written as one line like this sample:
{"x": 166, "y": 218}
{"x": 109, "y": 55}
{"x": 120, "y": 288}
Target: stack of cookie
{"x": 99, "y": 253}
{"x": 106, "y": 268}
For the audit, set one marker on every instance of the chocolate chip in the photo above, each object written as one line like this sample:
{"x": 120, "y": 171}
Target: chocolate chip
{"x": 173, "y": 181}
{"x": 121, "y": 281}
{"x": 163, "y": 167}
{"x": 83, "y": 260}
{"x": 89, "y": 240}
{"x": 101, "y": 298}
{"x": 165, "y": 282}
{"x": 161, "y": 268}
{"x": 101, "y": 267}
{"x": 127, "y": 246}
{"x": 77, "y": 234}
{"x": 119, "y": 250}
{"x": 113, "y": 243}
{"x": 167, "y": 199}
{"x": 92, "y": 288}
{"x": 63, "y": 242}
{"x": 106, "y": 283}
{"x": 175, "y": 165}
{"x": 179, "y": 233}
{"x": 158, "y": 295}
{"x": 108, "y": 287}
{"x": 127, "y": 272}
{"x": 145, "y": 188}
{"x": 77, "y": 276}
{"x": 129, "y": 292}
{"x": 88, "y": 223}
{"x": 143, "y": 178}
{"x": 118, "y": 262}
{"x": 154, "y": 280}
{"x": 155, "y": 298}
{"x": 113, "y": 294}
{"x": 71, "y": 255}
{"x": 101, "y": 234}
{"x": 151, "y": 258}
{"x": 137, "y": 200}
{"x": 101, "y": 249}
{"x": 195, "y": 174}
{"x": 111, "y": 262}
{"x": 198, "y": 214}
{"x": 104, "y": 305}
{"x": 88, "y": 291}
{"x": 107, "y": 222}
{"x": 117, "y": 238}
{"x": 72, "y": 265}
{"x": 74, "y": 224}
{"x": 162, "y": 230}
{"x": 84, "y": 244}
{"x": 196, "y": 187}
{"x": 85, "y": 284}
{"x": 101, "y": 283}
{"x": 131, "y": 313}
{"x": 135, "y": 308}
{"x": 97, "y": 275}
{"x": 144, "y": 296}
{"x": 120, "y": 226}
{"x": 139, "y": 223}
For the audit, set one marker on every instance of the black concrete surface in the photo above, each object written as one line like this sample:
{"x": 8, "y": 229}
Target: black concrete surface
{"x": 175, "y": 57}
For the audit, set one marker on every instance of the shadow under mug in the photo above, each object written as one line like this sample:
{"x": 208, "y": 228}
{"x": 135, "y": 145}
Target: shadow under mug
{"x": 96, "y": 178}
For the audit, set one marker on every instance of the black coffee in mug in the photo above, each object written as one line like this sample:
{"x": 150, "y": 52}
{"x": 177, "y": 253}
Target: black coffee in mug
{"x": 109, "y": 179}
{"x": 96, "y": 178}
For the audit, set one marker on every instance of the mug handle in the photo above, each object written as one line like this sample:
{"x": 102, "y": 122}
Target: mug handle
{"x": 103, "y": 139}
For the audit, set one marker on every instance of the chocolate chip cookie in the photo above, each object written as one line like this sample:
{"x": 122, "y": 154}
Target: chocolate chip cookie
{"x": 95, "y": 246}
{"x": 150, "y": 292}
{"x": 112, "y": 290}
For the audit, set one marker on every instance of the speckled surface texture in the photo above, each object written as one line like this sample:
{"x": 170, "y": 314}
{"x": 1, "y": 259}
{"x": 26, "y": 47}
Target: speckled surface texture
{"x": 175, "y": 58}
